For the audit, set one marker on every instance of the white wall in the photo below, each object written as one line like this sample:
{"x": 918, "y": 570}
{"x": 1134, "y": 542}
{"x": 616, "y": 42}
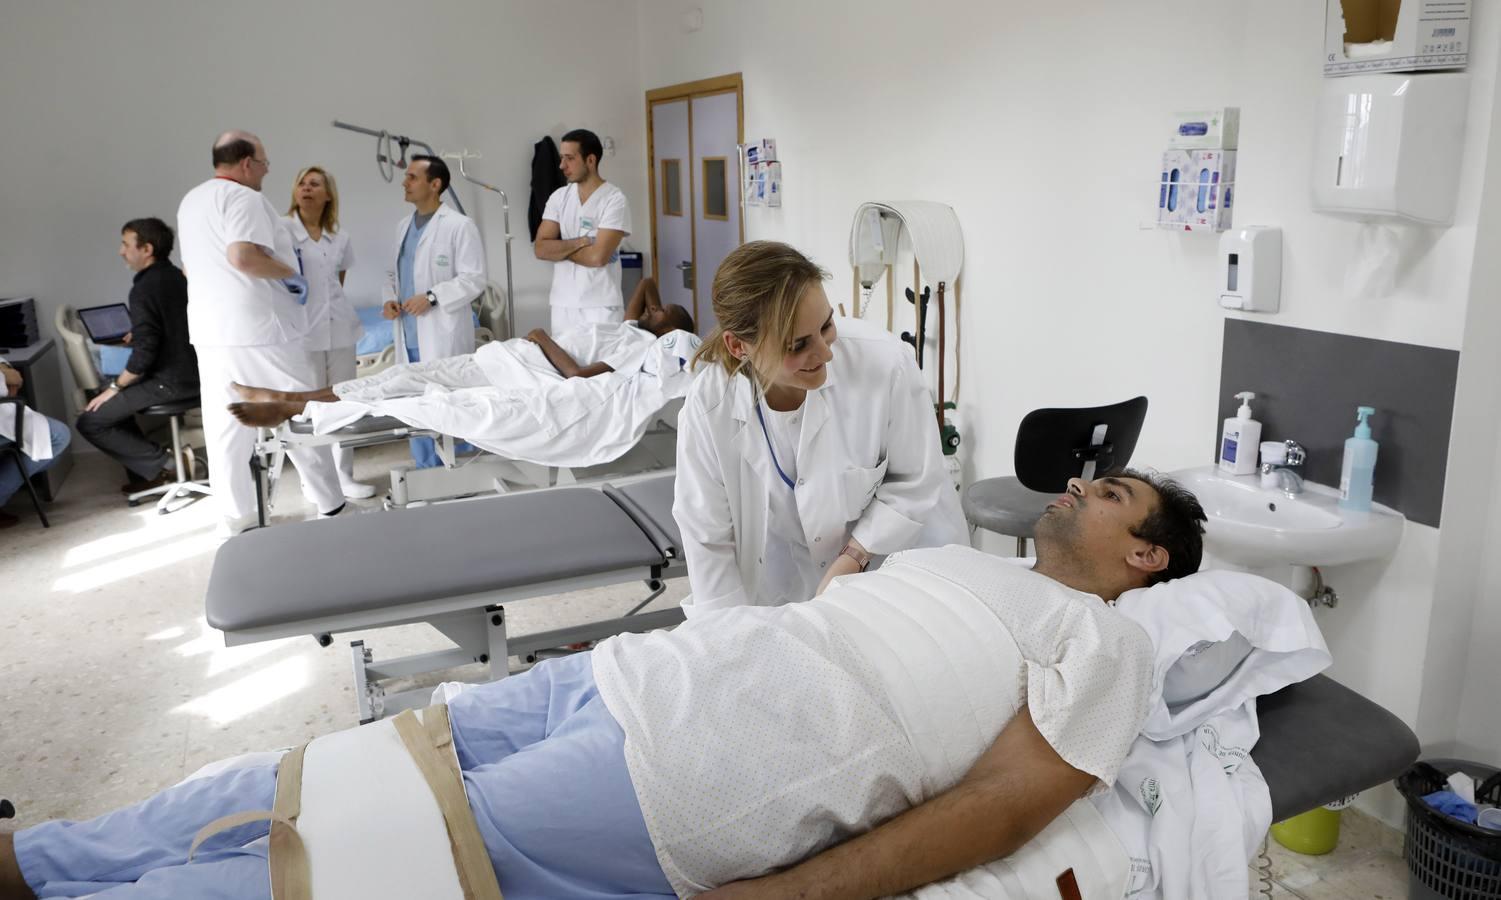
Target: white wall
{"x": 121, "y": 103}
{"x": 1464, "y": 663}
{"x": 1050, "y": 162}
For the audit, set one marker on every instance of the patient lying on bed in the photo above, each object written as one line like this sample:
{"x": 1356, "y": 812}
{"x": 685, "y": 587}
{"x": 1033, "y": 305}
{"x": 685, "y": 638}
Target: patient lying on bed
{"x": 906, "y": 725}
{"x": 583, "y": 399}
{"x": 585, "y": 351}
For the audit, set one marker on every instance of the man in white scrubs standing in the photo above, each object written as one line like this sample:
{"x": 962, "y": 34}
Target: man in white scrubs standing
{"x": 582, "y": 228}
{"x": 246, "y": 319}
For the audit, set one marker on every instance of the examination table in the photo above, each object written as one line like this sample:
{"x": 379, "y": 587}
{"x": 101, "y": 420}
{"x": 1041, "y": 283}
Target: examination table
{"x": 456, "y": 565}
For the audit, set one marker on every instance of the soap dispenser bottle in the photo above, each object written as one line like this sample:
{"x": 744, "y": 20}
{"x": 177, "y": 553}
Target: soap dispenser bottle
{"x": 1239, "y": 440}
{"x": 1358, "y": 473}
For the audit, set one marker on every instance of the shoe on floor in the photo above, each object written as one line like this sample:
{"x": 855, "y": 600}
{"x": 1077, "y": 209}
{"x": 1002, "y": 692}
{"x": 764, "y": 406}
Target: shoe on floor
{"x": 165, "y": 476}
{"x": 7, "y": 520}
{"x": 333, "y": 512}
{"x": 357, "y": 490}
{"x": 228, "y": 528}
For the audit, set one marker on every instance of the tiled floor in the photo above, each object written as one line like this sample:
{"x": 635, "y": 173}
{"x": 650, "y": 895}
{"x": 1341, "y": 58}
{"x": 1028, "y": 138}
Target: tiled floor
{"x": 112, "y": 685}
{"x": 1367, "y": 865}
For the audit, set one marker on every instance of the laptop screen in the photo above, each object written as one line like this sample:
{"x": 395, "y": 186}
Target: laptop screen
{"x": 106, "y": 324}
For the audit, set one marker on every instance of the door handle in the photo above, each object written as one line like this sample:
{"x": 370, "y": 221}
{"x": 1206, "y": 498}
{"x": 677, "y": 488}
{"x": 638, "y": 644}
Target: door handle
{"x": 686, "y": 267}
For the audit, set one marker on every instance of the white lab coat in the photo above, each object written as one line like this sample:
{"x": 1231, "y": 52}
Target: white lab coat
{"x": 450, "y": 262}
{"x": 869, "y": 467}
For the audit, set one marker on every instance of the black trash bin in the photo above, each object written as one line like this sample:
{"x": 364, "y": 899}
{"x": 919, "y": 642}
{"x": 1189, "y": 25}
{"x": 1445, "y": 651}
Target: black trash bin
{"x": 1447, "y": 859}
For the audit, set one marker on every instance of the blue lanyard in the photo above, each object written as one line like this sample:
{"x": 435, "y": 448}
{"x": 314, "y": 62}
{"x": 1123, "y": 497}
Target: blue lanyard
{"x": 785, "y": 480}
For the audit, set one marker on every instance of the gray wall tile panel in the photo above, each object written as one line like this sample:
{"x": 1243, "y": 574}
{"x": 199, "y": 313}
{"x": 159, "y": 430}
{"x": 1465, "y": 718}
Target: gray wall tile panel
{"x": 1308, "y": 384}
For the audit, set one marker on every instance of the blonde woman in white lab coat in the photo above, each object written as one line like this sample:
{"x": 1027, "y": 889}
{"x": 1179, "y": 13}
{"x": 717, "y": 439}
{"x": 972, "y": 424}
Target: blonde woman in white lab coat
{"x": 334, "y": 328}
{"x": 807, "y": 445}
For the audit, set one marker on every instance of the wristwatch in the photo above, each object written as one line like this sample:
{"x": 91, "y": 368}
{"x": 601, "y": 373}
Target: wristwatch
{"x": 432, "y": 298}
{"x": 861, "y": 558}
{"x": 114, "y": 386}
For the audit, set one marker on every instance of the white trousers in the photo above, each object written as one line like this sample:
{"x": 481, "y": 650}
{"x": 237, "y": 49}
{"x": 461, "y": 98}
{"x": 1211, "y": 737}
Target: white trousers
{"x": 281, "y": 367}
{"x": 412, "y": 379}
{"x": 566, "y": 317}
{"x": 332, "y": 367}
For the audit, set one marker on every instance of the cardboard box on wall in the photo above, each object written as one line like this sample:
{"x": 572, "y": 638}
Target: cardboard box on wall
{"x": 1362, "y": 36}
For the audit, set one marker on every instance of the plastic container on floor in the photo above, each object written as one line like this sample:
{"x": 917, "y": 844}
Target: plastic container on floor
{"x": 1313, "y": 833}
{"x": 1447, "y": 858}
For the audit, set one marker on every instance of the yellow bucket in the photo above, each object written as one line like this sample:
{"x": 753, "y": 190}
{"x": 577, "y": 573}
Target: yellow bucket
{"x": 1313, "y": 833}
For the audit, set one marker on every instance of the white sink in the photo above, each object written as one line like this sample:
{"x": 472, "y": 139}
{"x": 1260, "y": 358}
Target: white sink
{"x": 1254, "y": 526}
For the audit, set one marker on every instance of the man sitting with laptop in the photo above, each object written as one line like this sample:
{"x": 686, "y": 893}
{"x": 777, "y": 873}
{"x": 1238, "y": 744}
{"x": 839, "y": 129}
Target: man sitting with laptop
{"x": 162, "y": 365}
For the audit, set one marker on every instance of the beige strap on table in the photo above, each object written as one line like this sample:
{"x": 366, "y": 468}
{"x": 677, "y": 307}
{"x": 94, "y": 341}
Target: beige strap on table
{"x": 290, "y": 876}
{"x": 428, "y": 743}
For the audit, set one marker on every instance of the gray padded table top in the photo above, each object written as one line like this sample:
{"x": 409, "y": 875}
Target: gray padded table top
{"x": 353, "y": 563}
{"x": 367, "y": 425}
{"x": 1321, "y": 742}
{"x": 1004, "y": 506}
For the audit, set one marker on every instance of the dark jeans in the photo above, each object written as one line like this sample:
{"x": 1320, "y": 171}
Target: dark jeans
{"x": 113, "y": 429}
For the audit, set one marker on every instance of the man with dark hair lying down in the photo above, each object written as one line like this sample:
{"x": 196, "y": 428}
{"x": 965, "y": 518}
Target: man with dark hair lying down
{"x": 906, "y": 725}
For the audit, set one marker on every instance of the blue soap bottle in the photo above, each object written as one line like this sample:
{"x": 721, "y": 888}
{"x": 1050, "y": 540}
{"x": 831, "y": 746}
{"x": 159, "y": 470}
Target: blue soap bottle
{"x": 1358, "y": 473}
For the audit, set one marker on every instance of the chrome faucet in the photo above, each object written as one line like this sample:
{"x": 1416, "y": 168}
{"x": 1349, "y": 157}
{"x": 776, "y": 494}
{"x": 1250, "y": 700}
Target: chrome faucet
{"x": 1288, "y": 481}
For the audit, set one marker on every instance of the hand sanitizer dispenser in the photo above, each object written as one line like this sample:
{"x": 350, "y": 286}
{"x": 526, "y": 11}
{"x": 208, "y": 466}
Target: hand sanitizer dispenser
{"x": 1251, "y": 269}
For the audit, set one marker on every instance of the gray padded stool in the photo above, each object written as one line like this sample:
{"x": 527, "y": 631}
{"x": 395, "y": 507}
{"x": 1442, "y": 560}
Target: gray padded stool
{"x": 1052, "y": 446}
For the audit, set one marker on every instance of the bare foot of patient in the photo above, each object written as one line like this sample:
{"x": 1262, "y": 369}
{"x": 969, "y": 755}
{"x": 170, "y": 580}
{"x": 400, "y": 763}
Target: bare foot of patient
{"x": 267, "y": 414}
{"x": 259, "y": 394}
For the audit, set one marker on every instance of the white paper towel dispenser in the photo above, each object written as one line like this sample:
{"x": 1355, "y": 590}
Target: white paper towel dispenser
{"x": 1390, "y": 145}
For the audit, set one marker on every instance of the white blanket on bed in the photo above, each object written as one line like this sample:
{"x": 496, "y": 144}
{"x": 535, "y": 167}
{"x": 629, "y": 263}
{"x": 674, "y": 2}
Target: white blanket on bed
{"x": 539, "y": 416}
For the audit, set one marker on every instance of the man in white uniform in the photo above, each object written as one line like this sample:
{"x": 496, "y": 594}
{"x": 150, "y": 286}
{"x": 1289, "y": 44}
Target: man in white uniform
{"x": 247, "y": 320}
{"x": 440, "y": 269}
{"x": 582, "y": 228}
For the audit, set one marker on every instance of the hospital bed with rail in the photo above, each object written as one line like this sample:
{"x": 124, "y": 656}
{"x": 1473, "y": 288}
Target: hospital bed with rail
{"x": 538, "y": 432}
{"x": 1320, "y": 741}
{"x": 458, "y": 476}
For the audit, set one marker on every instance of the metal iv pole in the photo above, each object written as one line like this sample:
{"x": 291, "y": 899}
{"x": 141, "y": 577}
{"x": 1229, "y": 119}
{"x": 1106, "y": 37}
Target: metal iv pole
{"x": 505, "y": 212}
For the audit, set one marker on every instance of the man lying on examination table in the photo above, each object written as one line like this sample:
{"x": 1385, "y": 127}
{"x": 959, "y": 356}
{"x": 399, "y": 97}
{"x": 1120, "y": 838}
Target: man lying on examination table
{"x": 625, "y": 750}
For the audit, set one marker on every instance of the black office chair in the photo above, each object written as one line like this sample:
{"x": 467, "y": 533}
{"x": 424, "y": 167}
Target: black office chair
{"x": 185, "y": 484}
{"x": 17, "y": 457}
{"x": 1052, "y": 446}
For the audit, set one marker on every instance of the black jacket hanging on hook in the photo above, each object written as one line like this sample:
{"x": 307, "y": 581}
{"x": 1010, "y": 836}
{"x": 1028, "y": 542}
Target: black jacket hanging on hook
{"x": 546, "y": 178}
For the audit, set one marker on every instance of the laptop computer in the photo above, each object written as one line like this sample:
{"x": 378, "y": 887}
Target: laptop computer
{"x": 106, "y": 324}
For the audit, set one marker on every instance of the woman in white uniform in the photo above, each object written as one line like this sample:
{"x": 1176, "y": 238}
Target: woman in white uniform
{"x": 798, "y": 461}
{"x": 333, "y": 327}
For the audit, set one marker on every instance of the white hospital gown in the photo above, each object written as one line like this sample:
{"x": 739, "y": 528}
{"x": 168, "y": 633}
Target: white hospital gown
{"x": 757, "y": 736}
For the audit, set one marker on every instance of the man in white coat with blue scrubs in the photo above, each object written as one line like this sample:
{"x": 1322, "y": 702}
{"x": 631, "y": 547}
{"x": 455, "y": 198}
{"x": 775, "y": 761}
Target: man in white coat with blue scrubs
{"x": 440, "y": 269}
{"x": 247, "y": 320}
